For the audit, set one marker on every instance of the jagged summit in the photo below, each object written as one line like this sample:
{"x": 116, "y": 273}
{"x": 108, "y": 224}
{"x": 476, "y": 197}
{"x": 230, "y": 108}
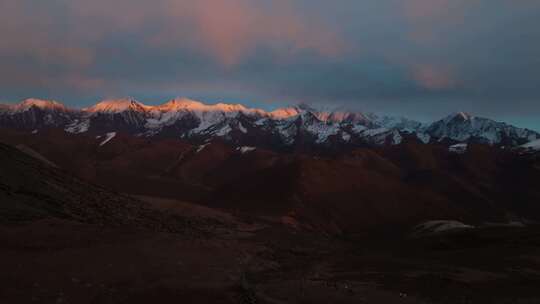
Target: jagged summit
{"x": 117, "y": 105}
{"x": 463, "y": 127}
{"x": 460, "y": 116}
{"x": 465, "y": 115}
{"x": 180, "y": 104}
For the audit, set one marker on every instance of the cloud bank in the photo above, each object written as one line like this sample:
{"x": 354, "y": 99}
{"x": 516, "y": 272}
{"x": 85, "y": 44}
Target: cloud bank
{"x": 421, "y": 58}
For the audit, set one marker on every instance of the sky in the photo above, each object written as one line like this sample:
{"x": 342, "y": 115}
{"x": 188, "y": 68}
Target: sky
{"x": 422, "y": 59}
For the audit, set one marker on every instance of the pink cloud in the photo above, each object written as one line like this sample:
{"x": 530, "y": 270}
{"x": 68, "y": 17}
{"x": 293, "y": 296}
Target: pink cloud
{"x": 227, "y": 30}
{"x": 433, "y": 77}
{"x": 230, "y": 29}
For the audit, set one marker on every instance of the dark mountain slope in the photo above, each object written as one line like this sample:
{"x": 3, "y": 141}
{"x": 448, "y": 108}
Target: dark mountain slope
{"x": 391, "y": 186}
{"x": 32, "y": 189}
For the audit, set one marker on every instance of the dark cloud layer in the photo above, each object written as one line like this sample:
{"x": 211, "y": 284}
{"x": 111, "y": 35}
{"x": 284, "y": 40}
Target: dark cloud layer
{"x": 421, "y": 58}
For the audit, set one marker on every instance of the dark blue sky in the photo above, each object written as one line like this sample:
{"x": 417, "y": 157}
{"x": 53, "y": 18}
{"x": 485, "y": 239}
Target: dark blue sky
{"x": 419, "y": 58}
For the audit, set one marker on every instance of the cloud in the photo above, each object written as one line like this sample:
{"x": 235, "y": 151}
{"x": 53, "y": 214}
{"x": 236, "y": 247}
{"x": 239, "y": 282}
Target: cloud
{"x": 395, "y": 55}
{"x": 230, "y": 30}
{"x": 227, "y": 30}
{"x": 442, "y": 10}
{"x": 37, "y": 36}
{"x": 433, "y": 77}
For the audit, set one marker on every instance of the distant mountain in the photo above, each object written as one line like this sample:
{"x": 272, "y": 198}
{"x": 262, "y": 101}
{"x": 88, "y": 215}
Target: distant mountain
{"x": 34, "y": 114}
{"x": 463, "y": 127}
{"x": 294, "y": 127}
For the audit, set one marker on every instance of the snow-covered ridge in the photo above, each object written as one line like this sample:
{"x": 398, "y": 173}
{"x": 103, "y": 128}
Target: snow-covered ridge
{"x": 186, "y": 118}
{"x": 27, "y": 104}
{"x": 463, "y": 127}
{"x": 284, "y": 113}
{"x": 117, "y": 106}
{"x": 181, "y": 104}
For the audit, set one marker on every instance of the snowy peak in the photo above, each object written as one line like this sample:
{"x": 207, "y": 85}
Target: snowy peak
{"x": 284, "y": 113}
{"x": 465, "y": 116}
{"x": 180, "y": 104}
{"x": 326, "y": 116}
{"x": 462, "y": 116}
{"x": 188, "y": 105}
{"x": 457, "y": 118}
{"x": 463, "y": 127}
{"x": 35, "y": 114}
{"x": 117, "y": 106}
{"x": 30, "y": 103}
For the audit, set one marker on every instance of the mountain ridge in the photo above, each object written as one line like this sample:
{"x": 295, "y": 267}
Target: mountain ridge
{"x": 289, "y": 126}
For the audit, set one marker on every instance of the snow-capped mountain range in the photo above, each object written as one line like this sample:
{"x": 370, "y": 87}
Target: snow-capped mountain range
{"x": 298, "y": 125}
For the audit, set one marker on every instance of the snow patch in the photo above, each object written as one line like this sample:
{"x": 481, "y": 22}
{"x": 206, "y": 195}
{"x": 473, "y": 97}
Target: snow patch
{"x": 323, "y": 131}
{"x": 373, "y": 132}
{"x": 108, "y": 138}
{"x": 423, "y": 137}
{"x": 223, "y": 131}
{"x": 397, "y": 138}
{"x": 241, "y": 127}
{"x": 78, "y": 126}
{"x": 201, "y": 147}
{"x": 533, "y": 145}
{"x": 464, "y": 116}
{"x": 246, "y": 149}
{"x": 208, "y": 120}
{"x": 458, "y": 148}
{"x": 433, "y": 227}
{"x": 359, "y": 128}
{"x": 261, "y": 122}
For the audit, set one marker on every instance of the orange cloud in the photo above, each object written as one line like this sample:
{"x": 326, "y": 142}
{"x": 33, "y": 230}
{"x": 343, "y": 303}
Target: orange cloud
{"x": 433, "y": 77}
